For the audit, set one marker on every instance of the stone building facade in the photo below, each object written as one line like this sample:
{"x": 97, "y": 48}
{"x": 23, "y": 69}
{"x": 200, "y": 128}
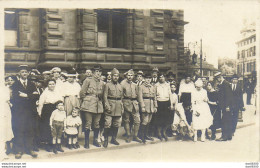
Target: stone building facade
{"x": 80, "y": 38}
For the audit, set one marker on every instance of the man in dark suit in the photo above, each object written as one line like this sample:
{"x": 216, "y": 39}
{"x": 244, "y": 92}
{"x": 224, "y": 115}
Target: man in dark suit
{"x": 22, "y": 116}
{"x": 225, "y": 97}
{"x": 250, "y": 87}
{"x": 238, "y": 103}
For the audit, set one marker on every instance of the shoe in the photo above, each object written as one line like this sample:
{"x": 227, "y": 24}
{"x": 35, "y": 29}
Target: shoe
{"x": 59, "y": 148}
{"x": 229, "y": 139}
{"x": 149, "y": 138}
{"x": 95, "y": 143}
{"x": 74, "y": 146}
{"x": 213, "y": 137}
{"x": 105, "y": 143}
{"x": 128, "y": 139}
{"x": 135, "y": 138}
{"x": 77, "y": 145}
{"x": 54, "y": 148}
{"x": 48, "y": 148}
{"x": 114, "y": 141}
{"x": 222, "y": 139}
{"x": 33, "y": 154}
{"x": 69, "y": 146}
{"x": 160, "y": 137}
{"x": 18, "y": 155}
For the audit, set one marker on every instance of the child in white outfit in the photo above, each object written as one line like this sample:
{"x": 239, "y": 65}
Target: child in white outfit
{"x": 73, "y": 122}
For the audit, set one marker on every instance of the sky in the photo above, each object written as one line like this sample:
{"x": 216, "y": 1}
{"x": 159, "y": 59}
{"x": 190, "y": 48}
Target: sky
{"x": 218, "y": 24}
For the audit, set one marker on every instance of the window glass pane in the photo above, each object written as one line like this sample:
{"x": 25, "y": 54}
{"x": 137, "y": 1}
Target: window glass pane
{"x": 102, "y": 39}
{"x": 10, "y": 38}
{"x": 10, "y": 20}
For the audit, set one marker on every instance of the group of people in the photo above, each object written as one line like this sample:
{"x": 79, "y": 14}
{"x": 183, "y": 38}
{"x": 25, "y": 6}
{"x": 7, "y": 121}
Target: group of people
{"x": 44, "y": 108}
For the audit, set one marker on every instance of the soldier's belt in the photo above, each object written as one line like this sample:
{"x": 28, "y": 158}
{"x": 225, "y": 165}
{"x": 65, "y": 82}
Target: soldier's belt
{"x": 151, "y": 98}
{"x": 129, "y": 98}
{"x": 114, "y": 98}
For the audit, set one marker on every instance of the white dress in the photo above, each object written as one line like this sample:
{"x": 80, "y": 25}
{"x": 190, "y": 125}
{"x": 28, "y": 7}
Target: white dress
{"x": 199, "y": 104}
{"x": 7, "y": 116}
{"x": 72, "y": 124}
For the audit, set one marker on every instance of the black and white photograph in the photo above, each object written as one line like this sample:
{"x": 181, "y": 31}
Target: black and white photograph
{"x": 140, "y": 81}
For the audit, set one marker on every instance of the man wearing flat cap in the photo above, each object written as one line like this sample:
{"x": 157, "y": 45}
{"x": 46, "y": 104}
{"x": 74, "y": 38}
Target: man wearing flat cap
{"x": 91, "y": 94}
{"x": 113, "y": 94}
{"x": 22, "y": 116}
{"x": 131, "y": 106}
{"x": 155, "y": 73}
{"x": 225, "y": 97}
{"x": 139, "y": 78}
{"x": 238, "y": 103}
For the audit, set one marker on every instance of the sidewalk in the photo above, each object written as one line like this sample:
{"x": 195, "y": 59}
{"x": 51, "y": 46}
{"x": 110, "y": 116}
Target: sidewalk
{"x": 249, "y": 118}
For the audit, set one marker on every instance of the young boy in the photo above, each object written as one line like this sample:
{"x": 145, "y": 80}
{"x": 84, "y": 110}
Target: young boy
{"x": 72, "y": 123}
{"x": 57, "y": 123}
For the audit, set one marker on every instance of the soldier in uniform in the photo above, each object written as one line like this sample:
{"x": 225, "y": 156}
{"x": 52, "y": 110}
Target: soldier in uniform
{"x": 92, "y": 106}
{"x": 148, "y": 103}
{"x": 113, "y": 94}
{"x": 131, "y": 106}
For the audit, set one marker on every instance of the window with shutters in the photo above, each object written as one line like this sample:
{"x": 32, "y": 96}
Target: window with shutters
{"x": 11, "y": 28}
{"x": 112, "y": 28}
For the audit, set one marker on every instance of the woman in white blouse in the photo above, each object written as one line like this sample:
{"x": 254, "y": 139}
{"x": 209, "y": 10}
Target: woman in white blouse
{"x": 46, "y": 106}
{"x": 162, "y": 118}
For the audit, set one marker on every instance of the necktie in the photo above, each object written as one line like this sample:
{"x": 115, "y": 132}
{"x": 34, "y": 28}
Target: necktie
{"x": 24, "y": 84}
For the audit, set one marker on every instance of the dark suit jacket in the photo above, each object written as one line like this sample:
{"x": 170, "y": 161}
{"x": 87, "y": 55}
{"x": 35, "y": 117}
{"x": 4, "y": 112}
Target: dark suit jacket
{"x": 225, "y": 95}
{"x": 238, "y": 102}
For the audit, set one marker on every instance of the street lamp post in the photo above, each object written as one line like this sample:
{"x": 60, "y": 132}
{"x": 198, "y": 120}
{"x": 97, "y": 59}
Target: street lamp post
{"x": 201, "y": 57}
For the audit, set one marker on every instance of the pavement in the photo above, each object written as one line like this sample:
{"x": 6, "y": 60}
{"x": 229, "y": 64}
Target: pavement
{"x": 249, "y": 119}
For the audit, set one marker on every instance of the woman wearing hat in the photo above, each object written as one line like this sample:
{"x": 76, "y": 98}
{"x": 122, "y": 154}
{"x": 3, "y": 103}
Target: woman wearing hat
{"x": 162, "y": 119}
{"x": 71, "y": 93}
{"x": 201, "y": 116}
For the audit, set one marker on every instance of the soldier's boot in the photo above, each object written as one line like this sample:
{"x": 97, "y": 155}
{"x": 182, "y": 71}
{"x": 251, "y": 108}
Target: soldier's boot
{"x": 142, "y": 133}
{"x": 87, "y": 139}
{"x": 146, "y": 135}
{"x": 127, "y": 129}
{"x": 114, "y": 135}
{"x": 54, "y": 148}
{"x": 106, "y": 132}
{"x": 135, "y": 138}
{"x": 95, "y": 138}
{"x": 164, "y": 133}
{"x": 159, "y": 129}
{"x": 59, "y": 148}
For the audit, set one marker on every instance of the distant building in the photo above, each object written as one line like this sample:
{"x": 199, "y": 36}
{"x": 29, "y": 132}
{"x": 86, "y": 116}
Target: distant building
{"x": 246, "y": 52}
{"x": 80, "y": 38}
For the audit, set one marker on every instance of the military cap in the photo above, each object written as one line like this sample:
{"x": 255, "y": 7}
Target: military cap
{"x": 23, "y": 67}
{"x": 97, "y": 67}
{"x": 114, "y": 71}
{"x": 130, "y": 71}
{"x": 148, "y": 75}
{"x": 55, "y": 69}
{"x": 140, "y": 73}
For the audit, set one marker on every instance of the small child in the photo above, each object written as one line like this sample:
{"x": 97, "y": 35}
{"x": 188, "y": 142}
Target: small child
{"x": 57, "y": 123}
{"x": 73, "y": 122}
{"x": 180, "y": 124}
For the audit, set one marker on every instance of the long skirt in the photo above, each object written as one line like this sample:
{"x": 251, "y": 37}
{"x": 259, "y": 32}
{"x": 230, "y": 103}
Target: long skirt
{"x": 163, "y": 117}
{"x": 69, "y": 103}
{"x": 45, "y": 122}
{"x": 204, "y": 119}
{"x": 215, "y": 111}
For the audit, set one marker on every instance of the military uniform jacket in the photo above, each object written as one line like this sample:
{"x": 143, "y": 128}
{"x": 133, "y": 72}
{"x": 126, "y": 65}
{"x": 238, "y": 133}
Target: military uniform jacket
{"x": 92, "y": 95}
{"x": 113, "y": 94}
{"x": 131, "y": 98}
{"x": 147, "y": 95}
